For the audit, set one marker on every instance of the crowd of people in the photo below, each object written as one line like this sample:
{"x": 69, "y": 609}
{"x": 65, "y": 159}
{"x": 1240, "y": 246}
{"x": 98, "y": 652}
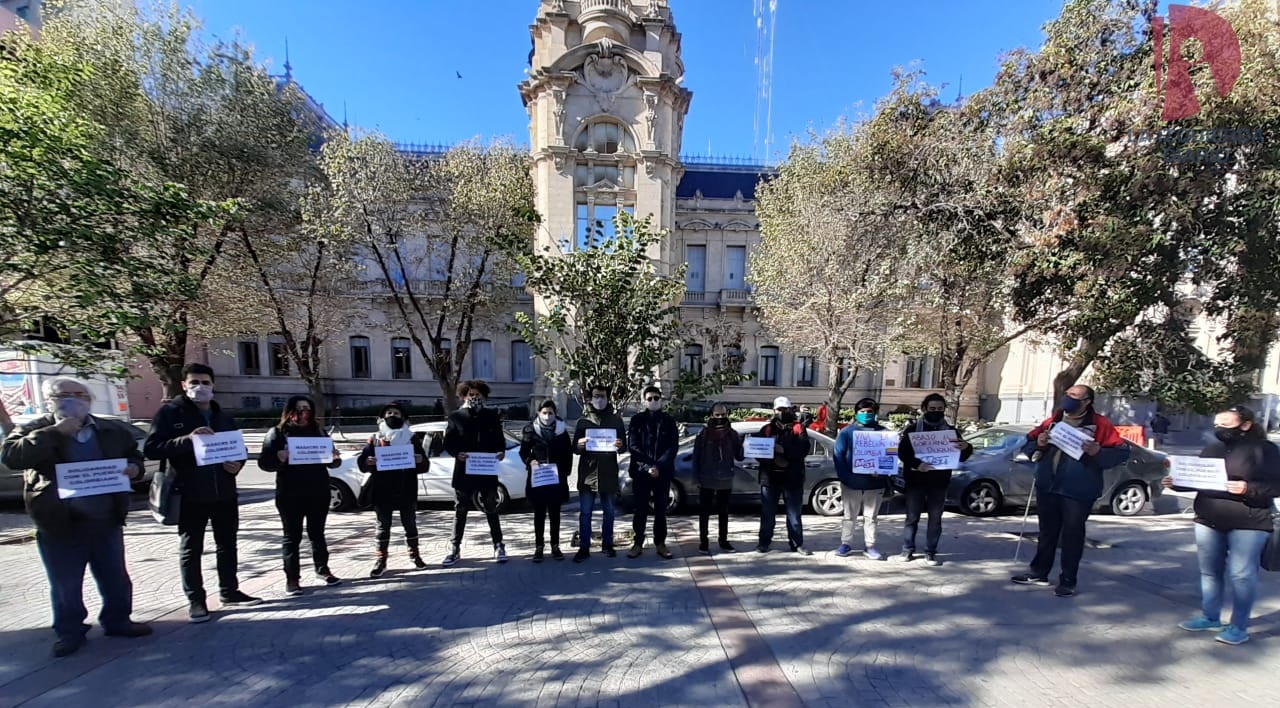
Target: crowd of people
{"x": 87, "y": 531}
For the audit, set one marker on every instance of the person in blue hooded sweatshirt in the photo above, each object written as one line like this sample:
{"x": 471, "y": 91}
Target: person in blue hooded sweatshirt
{"x": 859, "y": 490}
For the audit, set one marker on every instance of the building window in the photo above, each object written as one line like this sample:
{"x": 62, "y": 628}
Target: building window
{"x": 922, "y": 372}
{"x": 277, "y": 402}
{"x": 251, "y": 403}
{"x": 279, "y": 357}
{"x": 768, "y": 366}
{"x": 250, "y": 365}
{"x": 360, "y": 368}
{"x": 521, "y": 361}
{"x": 692, "y": 360}
{"x": 482, "y": 360}
{"x": 401, "y": 359}
{"x": 806, "y": 370}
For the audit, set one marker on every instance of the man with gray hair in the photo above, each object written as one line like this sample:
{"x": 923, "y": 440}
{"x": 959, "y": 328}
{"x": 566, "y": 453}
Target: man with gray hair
{"x": 83, "y": 528}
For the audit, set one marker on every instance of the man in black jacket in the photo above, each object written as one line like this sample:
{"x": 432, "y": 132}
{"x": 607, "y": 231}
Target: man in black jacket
{"x": 926, "y": 484}
{"x": 208, "y": 492}
{"x": 783, "y": 476}
{"x": 474, "y": 428}
{"x": 652, "y": 440}
{"x": 81, "y": 529}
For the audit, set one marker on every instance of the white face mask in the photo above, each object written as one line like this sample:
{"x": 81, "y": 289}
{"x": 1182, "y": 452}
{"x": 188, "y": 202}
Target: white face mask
{"x": 654, "y": 406}
{"x": 547, "y": 418}
{"x": 600, "y": 403}
{"x": 200, "y": 393}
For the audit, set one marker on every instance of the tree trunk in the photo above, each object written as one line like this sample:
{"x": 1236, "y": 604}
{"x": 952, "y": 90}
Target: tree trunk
{"x": 1086, "y": 351}
{"x": 835, "y": 395}
{"x": 169, "y": 370}
{"x": 316, "y": 391}
{"x": 6, "y": 423}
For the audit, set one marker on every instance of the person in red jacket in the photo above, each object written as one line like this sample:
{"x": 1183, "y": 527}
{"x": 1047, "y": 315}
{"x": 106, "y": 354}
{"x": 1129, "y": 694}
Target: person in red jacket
{"x": 1067, "y": 488}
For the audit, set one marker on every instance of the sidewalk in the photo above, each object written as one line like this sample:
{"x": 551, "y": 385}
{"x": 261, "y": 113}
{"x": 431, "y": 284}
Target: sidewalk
{"x": 735, "y": 629}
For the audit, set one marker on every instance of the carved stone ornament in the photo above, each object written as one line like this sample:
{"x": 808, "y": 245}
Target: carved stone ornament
{"x": 558, "y": 101}
{"x": 651, "y": 167}
{"x": 606, "y": 75}
{"x": 651, "y": 116}
{"x": 655, "y": 8}
{"x": 557, "y": 5}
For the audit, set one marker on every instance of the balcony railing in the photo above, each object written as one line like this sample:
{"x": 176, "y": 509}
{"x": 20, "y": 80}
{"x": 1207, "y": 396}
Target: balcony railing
{"x": 735, "y": 297}
{"x": 433, "y": 288}
{"x": 698, "y": 298}
{"x": 622, "y": 5}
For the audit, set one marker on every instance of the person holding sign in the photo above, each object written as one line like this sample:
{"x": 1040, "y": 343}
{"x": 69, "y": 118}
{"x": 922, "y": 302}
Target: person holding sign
{"x": 474, "y": 428}
{"x": 652, "y": 439}
{"x": 714, "y": 452}
{"x": 547, "y": 452}
{"x": 927, "y": 479}
{"x": 864, "y": 473}
{"x": 782, "y": 477}
{"x": 1069, "y": 461}
{"x": 302, "y": 491}
{"x": 1232, "y": 526}
{"x": 85, "y": 528}
{"x": 394, "y": 490}
{"x": 597, "y": 471}
{"x": 208, "y": 491}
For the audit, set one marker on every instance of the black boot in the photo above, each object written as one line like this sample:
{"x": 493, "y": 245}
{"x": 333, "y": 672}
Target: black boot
{"x": 379, "y": 565}
{"x": 537, "y": 555}
{"x": 416, "y": 557}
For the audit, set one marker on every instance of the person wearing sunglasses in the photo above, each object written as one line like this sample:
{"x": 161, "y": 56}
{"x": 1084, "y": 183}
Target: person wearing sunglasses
{"x": 652, "y": 439}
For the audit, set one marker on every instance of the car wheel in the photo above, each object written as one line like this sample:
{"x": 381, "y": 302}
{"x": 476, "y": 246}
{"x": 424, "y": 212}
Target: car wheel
{"x": 340, "y": 497}
{"x": 827, "y": 499}
{"x": 1129, "y": 499}
{"x": 504, "y": 499}
{"x": 982, "y": 498}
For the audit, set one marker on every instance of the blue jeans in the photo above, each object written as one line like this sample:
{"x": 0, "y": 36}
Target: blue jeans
{"x": 1229, "y": 557}
{"x": 794, "y": 500}
{"x": 101, "y": 548}
{"x": 587, "y": 504}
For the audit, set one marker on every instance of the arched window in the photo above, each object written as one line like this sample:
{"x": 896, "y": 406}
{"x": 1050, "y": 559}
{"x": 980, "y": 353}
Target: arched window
{"x": 604, "y": 178}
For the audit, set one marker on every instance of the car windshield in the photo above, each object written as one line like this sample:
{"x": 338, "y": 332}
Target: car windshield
{"x": 996, "y": 442}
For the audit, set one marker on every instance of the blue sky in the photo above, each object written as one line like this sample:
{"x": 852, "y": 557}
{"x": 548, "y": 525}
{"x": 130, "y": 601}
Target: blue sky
{"x": 395, "y": 62}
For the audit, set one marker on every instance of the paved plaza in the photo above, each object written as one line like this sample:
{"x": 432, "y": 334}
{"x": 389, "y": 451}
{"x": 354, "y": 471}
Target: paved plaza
{"x": 734, "y": 629}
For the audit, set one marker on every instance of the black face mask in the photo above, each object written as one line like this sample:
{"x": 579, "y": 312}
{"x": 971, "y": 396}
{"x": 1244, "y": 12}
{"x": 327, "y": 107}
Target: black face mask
{"x": 1228, "y": 435}
{"x": 787, "y": 417}
{"x": 394, "y": 422}
{"x": 934, "y": 417}
{"x": 719, "y": 422}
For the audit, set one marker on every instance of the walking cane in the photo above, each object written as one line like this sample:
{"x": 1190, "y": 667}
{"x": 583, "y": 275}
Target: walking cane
{"x": 1023, "y": 529}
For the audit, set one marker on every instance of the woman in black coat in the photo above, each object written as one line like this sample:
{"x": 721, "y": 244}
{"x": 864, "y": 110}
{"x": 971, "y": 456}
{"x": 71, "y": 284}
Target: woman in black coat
{"x": 302, "y": 491}
{"x": 546, "y": 441}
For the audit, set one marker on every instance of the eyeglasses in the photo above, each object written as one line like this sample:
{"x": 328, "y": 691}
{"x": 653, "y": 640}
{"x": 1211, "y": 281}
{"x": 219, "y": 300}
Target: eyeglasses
{"x": 651, "y": 399}
{"x": 68, "y": 396}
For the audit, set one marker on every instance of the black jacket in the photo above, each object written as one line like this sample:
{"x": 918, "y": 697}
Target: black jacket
{"x": 911, "y": 464}
{"x": 714, "y": 452}
{"x": 391, "y": 487}
{"x": 294, "y": 480}
{"x": 652, "y": 440}
{"x": 786, "y": 468}
{"x": 473, "y": 430}
{"x": 1257, "y": 462}
{"x": 557, "y": 451}
{"x": 170, "y": 440}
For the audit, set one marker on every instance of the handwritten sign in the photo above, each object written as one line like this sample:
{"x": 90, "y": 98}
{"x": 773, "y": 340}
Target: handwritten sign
{"x": 937, "y": 448}
{"x": 310, "y": 451}
{"x": 89, "y": 479}
{"x": 1198, "y": 472}
{"x": 602, "y": 440}
{"x": 1068, "y": 439}
{"x": 226, "y": 446}
{"x": 545, "y": 476}
{"x": 482, "y": 463}
{"x": 394, "y": 457}
{"x": 758, "y": 448}
{"x": 875, "y": 452}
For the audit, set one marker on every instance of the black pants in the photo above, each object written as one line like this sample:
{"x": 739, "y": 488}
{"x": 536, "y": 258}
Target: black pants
{"x": 488, "y": 501}
{"x": 709, "y": 499}
{"x": 1062, "y": 520}
{"x": 296, "y": 509}
{"x": 193, "y": 519}
{"x": 541, "y": 512}
{"x": 385, "y": 511}
{"x": 658, "y": 491}
{"x": 920, "y": 500}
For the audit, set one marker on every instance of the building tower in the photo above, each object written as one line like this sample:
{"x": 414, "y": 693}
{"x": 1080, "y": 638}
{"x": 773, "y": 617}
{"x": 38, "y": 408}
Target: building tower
{"x": 606, "y": 113}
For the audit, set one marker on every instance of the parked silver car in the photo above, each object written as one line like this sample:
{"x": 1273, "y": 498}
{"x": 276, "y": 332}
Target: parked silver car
{"x": 999, "y": 475}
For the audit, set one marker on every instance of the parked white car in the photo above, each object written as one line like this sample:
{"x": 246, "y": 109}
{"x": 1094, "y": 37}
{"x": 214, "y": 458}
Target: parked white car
{"x": 346, "y": 481}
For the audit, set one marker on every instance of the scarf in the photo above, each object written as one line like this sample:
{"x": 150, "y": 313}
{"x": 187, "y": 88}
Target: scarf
{"x": 547, "y": 432}
{"x": 393, "y": 436}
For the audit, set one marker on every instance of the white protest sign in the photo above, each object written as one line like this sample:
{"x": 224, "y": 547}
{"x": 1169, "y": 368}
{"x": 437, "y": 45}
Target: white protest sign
{"x": 875, "y": 452}
{"x": 394, "y": 457}
{"x": 310, "y": 451}
{"x": 1068, "y": 439}
{"x": 482, "y": 463}
{"x": 758, "y": 448}
{"x": 937, "y": 448}
{"x": 89, "y": 479}
{"x": 1198, "y": 472}
{"x": 602, "y": 440}
{"x": 226, "y": 446}
{"x": 545, "y": 476}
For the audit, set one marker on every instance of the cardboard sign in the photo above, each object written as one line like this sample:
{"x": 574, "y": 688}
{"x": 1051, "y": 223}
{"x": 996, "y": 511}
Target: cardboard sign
{"x": 227, "y": 446}
{"x": 937, "y": 448}
{"x": 89, "y": 479}
{"x": 482, "y": 463}
{"x": 1068, "y": 439}
{"x": 602, "y": 440}
{"x": 545, "y": 476}
{"x": 310, "y": 451}
{"x": 1198, "y": 472}
{"x": 394, "y": 457}
{"x": 875, "y": 452}
{"x": 758, "y": 448}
